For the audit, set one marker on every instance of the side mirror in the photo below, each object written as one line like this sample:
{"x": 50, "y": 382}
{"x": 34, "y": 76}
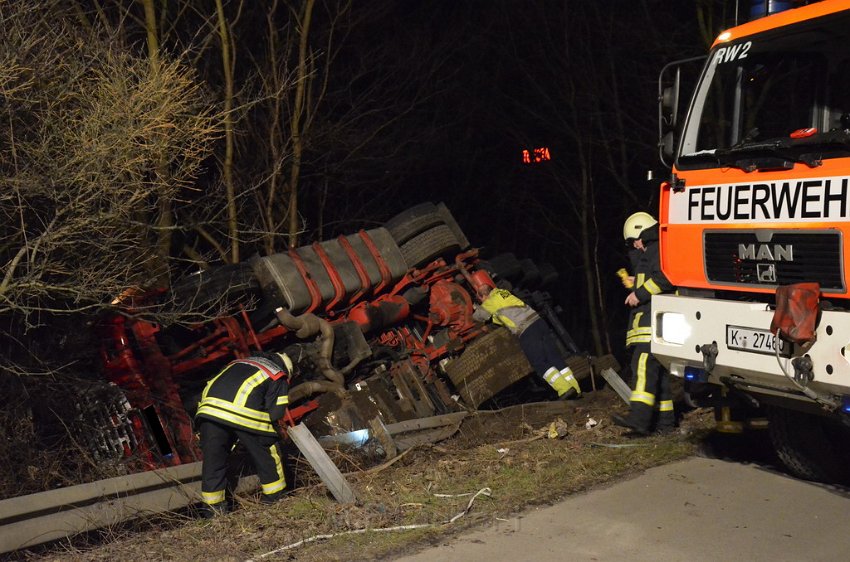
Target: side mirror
{"x": 669, "y": 87}
{"x": 669, "y": 99}
{"x": 666, "y": 146}
{"x": 668, "y": 112}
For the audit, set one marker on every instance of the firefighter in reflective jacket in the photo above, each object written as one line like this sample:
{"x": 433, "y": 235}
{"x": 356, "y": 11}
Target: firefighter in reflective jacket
{"x": 242, "y": 403}
{"x": 535, "y": 337}
{"x": 651, "y": 401}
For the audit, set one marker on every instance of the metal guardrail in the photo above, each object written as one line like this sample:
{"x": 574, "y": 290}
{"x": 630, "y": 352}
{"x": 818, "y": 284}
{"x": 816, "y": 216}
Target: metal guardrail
{"x": 38, "y": 518}
{"x": 35, "y": 519}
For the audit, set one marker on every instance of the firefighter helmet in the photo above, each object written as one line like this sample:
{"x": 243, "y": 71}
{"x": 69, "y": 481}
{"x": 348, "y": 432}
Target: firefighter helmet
{"x": 287, "y": 362}
{"x": 637, "y": 223}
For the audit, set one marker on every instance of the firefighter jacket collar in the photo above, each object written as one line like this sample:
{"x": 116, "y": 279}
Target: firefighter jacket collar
{"x": 271, "y": 370}
{"x": 649, "y": 235}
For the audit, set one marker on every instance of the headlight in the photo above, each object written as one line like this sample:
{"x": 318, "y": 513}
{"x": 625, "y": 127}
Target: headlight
{"x": 674, "y": 328}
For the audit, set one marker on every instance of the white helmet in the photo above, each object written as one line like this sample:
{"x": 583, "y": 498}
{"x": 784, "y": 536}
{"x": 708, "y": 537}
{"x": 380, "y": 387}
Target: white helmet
{"x": 287, "y": 362}
{"x": 636, "y": 224}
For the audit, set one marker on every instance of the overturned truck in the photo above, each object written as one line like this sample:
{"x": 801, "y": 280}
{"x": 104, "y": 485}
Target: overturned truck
{"x": 378, "y": 322}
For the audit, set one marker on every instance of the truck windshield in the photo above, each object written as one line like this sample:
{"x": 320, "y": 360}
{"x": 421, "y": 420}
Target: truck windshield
{"x": 758, "y": 90}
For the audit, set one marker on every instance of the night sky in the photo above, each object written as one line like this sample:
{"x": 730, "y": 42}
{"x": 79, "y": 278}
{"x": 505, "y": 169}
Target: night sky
{"x": 497, "y": 77}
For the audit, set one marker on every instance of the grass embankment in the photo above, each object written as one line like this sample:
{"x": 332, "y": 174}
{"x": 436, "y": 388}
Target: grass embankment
{"x": 521, "y": 470}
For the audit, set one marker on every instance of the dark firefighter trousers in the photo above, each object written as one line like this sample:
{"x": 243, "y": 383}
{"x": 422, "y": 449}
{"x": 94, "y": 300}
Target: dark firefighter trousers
{"x": 217, "y": 440}
{"x": 540, "y": 348}
{"x": 651, "y": 400}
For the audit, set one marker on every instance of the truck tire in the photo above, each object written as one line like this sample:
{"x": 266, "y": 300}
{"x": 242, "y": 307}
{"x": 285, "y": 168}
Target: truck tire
{"x": 503, "y": 266}
{"x": 413, "y": 221}
{"x": 416, "y": 220}
{"x": 429, "y": 245}
{"x": 531, "y": 278}
{"x": 811, "y": 447}
{"x": 548, "y": 275}
{"x": 450, "y": 221}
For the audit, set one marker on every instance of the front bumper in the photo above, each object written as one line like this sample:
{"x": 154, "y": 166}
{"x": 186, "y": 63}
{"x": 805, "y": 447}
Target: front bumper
{"x": 700, "y": 321}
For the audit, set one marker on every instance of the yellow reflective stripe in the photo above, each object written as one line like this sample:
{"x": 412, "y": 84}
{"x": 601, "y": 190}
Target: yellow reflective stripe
{"x": 642, "y": 339}
{"x": 639, "y": 335}
{"x": 236, "y": 419}
{"x": 567, "y": 374}
{"x": 665, "y": 406}
{"x": 652, "y": 287}
{"x": 640, "y": 384}
{"x": 644, "y": 397}
{"x": 640, "y": 279}
{"x": 636, "y": 321}
{"x": 209, "y": 384}
{"x": 248, "y": 386}
{"x": 639, "y": 338}
{"x": 280, "y": 483}
{"x": 282, "y": 400}
{"x": 241, "y": 410}
{"x": 274, "y": 487}
{"x": 642, "y": 334}
{"x": 212, "y": 498}
{"x": 551, "y": 375}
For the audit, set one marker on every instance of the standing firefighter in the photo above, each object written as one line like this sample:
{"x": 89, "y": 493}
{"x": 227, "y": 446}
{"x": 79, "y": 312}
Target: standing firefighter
{"x": 243, "y": 402}
{"x": 535, "y": 337}
{"x": 651, "y": 396}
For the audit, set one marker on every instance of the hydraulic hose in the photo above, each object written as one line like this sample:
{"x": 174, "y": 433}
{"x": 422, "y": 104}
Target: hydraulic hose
{"x": 305, "y": 389}
{"x": 306, "y": 325}
{"x": 825, "y": 402}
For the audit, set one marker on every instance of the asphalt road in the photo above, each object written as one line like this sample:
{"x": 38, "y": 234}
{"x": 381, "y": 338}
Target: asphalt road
{"x": 694, "y": 510}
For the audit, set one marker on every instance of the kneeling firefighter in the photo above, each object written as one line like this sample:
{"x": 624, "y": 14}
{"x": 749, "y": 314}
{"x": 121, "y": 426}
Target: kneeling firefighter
{"x": 535, "y": 337}
{"x": 243, "y": 403}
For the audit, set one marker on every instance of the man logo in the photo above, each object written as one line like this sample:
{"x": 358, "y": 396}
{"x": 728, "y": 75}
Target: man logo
{"x": 766, "y": 252}
{"x": 766, "y": 272}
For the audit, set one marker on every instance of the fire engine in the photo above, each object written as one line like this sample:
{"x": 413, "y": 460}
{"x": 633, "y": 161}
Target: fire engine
{"x": 754, "y": 215}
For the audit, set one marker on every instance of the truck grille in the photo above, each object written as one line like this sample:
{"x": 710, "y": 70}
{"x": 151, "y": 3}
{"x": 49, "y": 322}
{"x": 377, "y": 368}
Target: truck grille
{"x": 771, "y": 258}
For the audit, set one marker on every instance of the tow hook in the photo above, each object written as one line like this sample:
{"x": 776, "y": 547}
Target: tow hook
{"x": 709, "y": 356}
{"x": 803, "y": 369}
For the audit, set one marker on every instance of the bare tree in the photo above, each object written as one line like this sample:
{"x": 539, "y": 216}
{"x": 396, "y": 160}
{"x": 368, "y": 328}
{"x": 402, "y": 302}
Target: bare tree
{"x": 94, "y": 139}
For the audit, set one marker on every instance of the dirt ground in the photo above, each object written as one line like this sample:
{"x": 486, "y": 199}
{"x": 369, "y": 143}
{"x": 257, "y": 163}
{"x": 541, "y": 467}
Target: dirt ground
{"x": 507, "y": 460}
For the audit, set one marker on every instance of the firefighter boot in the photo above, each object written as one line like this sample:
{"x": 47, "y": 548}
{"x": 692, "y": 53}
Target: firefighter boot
{"x": 268, "y": 499}
{"x": 211, "y": 511}
{"x": 566, "y": 388}
{"x": 638, "y": 419}
{"x": 568, "y": 385}
{"x": 666, "y": 423}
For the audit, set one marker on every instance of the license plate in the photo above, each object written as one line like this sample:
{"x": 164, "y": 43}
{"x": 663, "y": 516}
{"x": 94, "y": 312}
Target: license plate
{"x": 755, "y": 341}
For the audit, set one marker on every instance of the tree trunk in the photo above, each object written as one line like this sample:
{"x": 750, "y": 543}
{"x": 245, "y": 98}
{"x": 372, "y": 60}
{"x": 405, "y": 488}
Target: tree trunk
{"x": 295, "y": 122}
{"x": 274, "y": 140}
{"x": 227, "y": 165}
{"x": 590, "y": 280}
{"x": 165, "y": 218}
